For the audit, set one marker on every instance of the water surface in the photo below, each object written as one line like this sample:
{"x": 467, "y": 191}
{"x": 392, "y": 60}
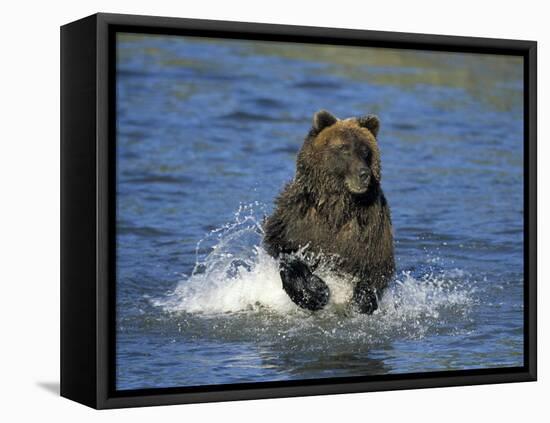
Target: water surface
{"x": 207, "y": 134}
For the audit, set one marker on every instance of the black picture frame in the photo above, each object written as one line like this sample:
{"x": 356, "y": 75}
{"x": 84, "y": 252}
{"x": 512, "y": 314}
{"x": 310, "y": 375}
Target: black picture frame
{"x": 87, "y": 210}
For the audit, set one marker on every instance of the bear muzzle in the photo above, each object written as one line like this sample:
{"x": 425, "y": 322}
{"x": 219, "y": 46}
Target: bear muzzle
{"x": 358, "y": 183}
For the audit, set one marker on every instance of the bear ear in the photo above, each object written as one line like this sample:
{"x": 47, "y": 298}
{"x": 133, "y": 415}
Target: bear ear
{"x": 323, "y": 119}
{"x": 371, "y": 122}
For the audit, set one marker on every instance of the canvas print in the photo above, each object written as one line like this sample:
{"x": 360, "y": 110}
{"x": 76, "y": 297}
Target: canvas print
{"x": 290, "y": 211}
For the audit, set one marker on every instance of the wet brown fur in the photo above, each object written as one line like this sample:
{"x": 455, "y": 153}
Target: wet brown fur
{"x": 318, "y": 211}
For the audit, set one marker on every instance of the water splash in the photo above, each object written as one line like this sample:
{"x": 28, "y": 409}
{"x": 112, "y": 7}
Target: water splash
{"x": 234, "y": 276}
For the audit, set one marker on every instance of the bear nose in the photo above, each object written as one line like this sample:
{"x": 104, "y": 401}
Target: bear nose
{"x": 364, "y": 174}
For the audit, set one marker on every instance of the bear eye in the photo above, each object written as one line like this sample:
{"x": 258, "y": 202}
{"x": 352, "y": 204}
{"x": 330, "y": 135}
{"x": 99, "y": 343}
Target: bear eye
{"x": 342, "y": 147}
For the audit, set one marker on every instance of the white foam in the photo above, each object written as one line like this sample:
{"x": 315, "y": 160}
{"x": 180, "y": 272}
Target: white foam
{"x": 239, "y": 276}
{"x": 222, "y": 289}
{"x": 408, "y": 296}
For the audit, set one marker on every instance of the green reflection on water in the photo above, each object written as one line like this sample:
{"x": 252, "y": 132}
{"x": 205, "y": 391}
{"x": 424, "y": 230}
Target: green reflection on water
{"x": 495, "y": 80}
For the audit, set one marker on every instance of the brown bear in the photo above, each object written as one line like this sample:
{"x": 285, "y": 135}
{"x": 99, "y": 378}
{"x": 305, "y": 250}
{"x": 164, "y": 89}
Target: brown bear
{"x": 334, "y": 207}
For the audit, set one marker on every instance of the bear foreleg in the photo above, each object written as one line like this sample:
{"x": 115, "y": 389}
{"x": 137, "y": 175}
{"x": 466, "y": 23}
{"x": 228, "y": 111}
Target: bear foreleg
{"x": 303, "y": 287}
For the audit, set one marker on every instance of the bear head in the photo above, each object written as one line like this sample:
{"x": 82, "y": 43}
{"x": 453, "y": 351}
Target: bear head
{"x": 341, "y": 156}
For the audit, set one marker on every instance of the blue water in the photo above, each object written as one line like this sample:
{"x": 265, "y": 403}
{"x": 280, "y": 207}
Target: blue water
{"x": 207, "y": 134}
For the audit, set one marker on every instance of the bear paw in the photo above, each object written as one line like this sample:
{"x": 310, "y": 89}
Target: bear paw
{"x": 364, "y": 298}
{"x": 303, "y": 287}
